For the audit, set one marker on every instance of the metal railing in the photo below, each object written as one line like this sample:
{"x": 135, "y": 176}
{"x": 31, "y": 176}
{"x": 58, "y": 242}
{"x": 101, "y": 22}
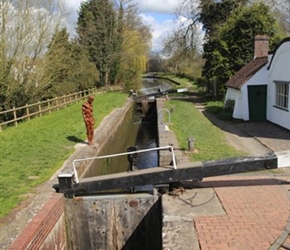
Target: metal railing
{"x": 161, "y": 119}
{"x": 121, "y": 154}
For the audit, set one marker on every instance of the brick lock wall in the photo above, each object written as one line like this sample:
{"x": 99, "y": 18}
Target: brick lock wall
{"x": 46, "y": 231}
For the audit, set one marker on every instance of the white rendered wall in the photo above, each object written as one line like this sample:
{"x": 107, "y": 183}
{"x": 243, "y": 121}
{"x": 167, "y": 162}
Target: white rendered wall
{"x": 241, "y": 110}
{"x": 279, "y": 71}
{"x": 234, "y": 94}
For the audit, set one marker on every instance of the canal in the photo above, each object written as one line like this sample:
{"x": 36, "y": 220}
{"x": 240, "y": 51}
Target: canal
{"x": 136, "y": 131}
{"x": 147, "y": 134}
{"x": 121, "y": 220}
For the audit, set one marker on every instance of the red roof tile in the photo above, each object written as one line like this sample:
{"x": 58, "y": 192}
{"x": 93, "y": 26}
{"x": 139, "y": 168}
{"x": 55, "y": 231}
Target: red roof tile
{"x": 245, "y": 73}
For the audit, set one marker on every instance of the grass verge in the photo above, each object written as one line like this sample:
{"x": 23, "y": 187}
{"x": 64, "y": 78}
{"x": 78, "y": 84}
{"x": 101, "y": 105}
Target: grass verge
{"x": 33, "y": 151}
{"x": 209, "y": 141}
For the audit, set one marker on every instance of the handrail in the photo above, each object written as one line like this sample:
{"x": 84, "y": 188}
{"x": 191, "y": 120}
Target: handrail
{"x": 120, "y": 154}
{"x": 169, "y": 115}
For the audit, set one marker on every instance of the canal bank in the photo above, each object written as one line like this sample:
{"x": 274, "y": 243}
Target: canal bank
{"x": 122, "y": 221}
{"x": 32, "y": 217}
{"x": 260, "y": 188}
{"x": 27, "y": 226}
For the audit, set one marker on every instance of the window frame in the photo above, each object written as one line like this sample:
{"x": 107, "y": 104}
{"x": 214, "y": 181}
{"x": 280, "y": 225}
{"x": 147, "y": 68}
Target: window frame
{"x": 282, "y": 95}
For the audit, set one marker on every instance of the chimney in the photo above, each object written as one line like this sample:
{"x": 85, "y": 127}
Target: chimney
{"x": 261, "y": 46}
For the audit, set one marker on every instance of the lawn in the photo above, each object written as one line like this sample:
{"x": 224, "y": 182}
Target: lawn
{"x": 34, "y": 150}
{"x": 209, "y": 141}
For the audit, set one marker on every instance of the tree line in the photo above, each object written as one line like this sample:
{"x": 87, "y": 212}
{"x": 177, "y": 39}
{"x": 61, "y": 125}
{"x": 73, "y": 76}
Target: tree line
{"x": 40, "y": 60}
{"x": 228, "y": 28}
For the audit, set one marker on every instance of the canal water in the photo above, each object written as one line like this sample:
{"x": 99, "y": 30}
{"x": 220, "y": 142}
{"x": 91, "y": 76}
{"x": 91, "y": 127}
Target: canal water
{"x": 147, "y": 136}
{"x": 136, "y": 131}
{"x": 109, "y": 221}
{"x": 154, "y": 85}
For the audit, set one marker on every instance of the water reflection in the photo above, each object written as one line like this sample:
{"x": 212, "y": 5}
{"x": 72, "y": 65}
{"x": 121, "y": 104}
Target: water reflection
{"x": 147, "y": 138}
{"x": 154, "y": 85}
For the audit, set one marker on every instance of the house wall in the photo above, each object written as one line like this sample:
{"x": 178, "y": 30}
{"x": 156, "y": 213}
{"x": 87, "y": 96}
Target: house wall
{"x": 279, "y": 71}
{"x": 241, "y": 109}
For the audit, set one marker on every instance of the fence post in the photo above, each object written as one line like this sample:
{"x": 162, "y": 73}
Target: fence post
{"x": 49, "y": 111}
{"x": 39, "y": 108}
{"x": 27, "y": 112}
{"x": 53, "y": 104}
{"x": 57, "y": 103}
{"x": 15, "y": 116}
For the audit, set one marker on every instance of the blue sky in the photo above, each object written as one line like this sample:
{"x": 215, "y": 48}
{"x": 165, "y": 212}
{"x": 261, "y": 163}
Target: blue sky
{"x": 156, "y": 14}
{"x": 159, "y": 17}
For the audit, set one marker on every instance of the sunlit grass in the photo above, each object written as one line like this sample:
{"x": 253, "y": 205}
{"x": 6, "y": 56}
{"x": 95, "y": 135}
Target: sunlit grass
{"x": 209, "y": 141}
{"x": 33, "y": 151}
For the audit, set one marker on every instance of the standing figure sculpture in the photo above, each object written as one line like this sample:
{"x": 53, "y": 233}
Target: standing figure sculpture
{"x": 87, "y": 110}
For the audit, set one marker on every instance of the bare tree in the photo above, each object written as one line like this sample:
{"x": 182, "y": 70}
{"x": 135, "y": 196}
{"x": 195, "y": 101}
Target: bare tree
{"x": 26, "y": 29}
{"x": 282, "y": 10}
{"x": 183, "y": 47}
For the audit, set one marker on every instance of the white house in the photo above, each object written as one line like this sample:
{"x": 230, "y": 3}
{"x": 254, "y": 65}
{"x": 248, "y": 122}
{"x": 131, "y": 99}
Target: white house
{"x": 261, "y": 88}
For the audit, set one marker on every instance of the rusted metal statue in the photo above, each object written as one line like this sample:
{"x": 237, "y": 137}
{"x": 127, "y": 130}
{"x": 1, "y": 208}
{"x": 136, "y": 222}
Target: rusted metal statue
{"x": 87, "y": 110}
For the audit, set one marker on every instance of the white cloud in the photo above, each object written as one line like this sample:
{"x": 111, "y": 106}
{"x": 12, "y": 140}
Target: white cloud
{"x": 159, "y": 30}
{"x": 73, "y": 5}
{"x": 158, "y": 6}
{"x": 159, "y": 27}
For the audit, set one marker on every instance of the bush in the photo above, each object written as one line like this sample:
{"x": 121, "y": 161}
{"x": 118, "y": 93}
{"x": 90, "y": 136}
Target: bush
{"x": 222, "y": 111}
{"x": 229, "y": 105}
{"x": 227, "y": 111}
{"x": 214, "y": 107}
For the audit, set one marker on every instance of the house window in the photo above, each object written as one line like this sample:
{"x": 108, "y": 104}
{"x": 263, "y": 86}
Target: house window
{"x": 282, "y": 95}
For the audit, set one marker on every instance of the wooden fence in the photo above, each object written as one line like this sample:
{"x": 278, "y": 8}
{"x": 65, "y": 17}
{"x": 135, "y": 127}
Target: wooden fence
{"x": 41, "y": 108}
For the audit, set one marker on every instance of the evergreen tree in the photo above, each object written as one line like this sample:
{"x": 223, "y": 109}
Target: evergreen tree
{"x": 214, "y": 13}
{"x": 117, "y": 44}
{"x": 229, "y": 44}
{"x": 67, "y": 67}
{"x": 96, "y": 28}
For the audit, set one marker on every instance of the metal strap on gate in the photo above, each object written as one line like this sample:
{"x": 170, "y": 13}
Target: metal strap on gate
{"x": 120, "y": 154}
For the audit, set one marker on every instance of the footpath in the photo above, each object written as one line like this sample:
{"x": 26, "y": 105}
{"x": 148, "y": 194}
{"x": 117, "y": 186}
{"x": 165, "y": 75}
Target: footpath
{"x": 236, "y": 212}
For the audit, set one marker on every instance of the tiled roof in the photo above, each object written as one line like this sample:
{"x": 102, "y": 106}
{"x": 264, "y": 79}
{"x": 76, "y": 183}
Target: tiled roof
{"x": 245, "y": 73}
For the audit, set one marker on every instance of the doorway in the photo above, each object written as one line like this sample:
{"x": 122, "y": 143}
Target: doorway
{"x": 257, "y": 96}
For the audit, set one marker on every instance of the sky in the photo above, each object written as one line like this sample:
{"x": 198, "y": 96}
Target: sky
{"x": 156, "y": 14}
